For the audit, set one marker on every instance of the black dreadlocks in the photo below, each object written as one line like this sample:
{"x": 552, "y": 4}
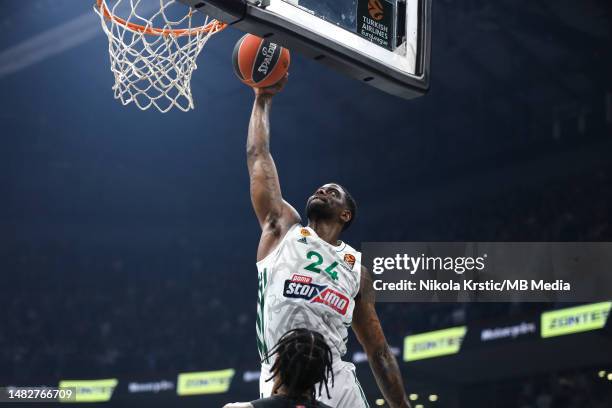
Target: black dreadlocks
{"x": 303, "y": 360}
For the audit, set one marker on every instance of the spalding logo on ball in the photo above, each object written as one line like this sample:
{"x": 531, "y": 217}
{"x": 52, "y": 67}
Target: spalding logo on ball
{"x": 260, "y": 63}
{"x": 376, "y": 9}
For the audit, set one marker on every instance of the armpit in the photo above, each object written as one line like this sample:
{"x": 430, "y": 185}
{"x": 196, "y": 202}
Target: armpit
{"x": 366, "y": 291}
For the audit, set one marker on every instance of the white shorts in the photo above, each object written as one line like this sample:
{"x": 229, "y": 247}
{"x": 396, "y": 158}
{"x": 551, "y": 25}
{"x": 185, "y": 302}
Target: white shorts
{"x": 346, "y": 392}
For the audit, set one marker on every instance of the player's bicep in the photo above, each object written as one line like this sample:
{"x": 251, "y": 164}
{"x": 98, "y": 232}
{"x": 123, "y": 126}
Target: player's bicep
{"x": 265, "y": 187}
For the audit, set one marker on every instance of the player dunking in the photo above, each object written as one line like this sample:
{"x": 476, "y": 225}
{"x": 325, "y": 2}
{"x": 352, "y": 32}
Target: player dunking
{"x": 308, "y": 278}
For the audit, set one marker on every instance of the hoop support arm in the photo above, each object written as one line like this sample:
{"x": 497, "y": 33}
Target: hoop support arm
{"x": 252, "y": 17}
{"x": 228, "y": 11}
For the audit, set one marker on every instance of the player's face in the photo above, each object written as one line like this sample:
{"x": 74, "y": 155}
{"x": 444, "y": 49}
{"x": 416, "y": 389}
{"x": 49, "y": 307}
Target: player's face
{"x": 327, "y": 201}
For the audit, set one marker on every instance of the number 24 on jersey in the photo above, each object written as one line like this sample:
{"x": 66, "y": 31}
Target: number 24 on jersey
{"x": 318, "y": 260}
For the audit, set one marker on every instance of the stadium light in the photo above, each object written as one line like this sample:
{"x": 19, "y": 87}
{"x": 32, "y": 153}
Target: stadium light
{"x": 610, "y": 376}
{"x": 433, "y": 397}
{"x": 380, "y": 402}
{"x": 602, "y": 373}
{"x": 418, "y": 406}
{"x": 413, "y": 397}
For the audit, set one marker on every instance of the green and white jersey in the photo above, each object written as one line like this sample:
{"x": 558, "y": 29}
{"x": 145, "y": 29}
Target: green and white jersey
{"x": 307, "y": 283}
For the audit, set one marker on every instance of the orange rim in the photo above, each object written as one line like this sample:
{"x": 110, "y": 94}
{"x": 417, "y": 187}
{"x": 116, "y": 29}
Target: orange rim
{"x": 212, "y": 27}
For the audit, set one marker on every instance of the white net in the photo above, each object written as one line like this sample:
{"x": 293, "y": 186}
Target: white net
{"x": 153, "y": 46}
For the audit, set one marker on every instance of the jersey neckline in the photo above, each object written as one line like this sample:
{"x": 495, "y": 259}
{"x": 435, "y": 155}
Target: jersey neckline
{"x": 338, "y": 248}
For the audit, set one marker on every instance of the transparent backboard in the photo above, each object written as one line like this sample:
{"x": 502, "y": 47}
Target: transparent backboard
{"x": 385, "y": 43}
{"x": 386, "y": 30}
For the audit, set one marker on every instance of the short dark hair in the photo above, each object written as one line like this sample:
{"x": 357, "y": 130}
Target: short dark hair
{"x": 351, "y": 204}
{"x": 303, "y": 359}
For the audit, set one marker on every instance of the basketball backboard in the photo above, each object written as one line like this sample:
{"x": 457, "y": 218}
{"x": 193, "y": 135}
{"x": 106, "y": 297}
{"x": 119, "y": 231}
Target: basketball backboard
{"x": 385, "y": 43}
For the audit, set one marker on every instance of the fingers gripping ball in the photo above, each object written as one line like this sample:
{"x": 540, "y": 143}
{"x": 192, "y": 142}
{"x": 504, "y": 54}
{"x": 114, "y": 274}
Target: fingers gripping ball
{"x": 376, "y": 9}
{"x": 258, "y": 62}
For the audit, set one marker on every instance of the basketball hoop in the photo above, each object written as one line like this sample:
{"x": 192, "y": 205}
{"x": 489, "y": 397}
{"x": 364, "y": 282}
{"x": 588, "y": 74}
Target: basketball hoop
{"x": 153, "y": 51}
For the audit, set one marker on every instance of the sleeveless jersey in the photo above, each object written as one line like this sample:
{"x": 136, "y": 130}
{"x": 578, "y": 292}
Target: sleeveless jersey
{"x": 306, "y": 282}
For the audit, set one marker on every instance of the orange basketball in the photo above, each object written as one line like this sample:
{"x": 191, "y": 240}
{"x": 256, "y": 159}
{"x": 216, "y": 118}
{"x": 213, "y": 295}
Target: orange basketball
{"x": 258, "y": 62}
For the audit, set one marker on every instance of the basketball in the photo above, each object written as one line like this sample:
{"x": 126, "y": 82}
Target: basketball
{"x": 258, "y": 62}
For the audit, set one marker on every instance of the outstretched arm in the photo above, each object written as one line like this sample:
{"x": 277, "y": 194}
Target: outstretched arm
{"x": 369, "y": 333}
{"x": 275, "y": 216}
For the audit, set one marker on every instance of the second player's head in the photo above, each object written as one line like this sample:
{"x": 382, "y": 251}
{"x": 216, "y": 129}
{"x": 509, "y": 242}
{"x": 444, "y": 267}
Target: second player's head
{"x": 332, "y": 202}
{"x": 303, "y": 360}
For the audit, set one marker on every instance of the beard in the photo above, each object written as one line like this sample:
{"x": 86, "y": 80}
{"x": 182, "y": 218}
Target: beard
{"x": 319, "y": 210}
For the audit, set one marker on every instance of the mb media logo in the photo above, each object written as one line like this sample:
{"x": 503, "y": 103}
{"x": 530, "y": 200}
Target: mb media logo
{"x": 376, "y": 10}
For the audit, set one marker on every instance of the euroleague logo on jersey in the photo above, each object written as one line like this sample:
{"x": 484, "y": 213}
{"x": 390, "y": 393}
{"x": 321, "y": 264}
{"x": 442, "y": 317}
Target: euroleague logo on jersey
{"x": 349, "y": 259}
{"x": 301, "y": 287}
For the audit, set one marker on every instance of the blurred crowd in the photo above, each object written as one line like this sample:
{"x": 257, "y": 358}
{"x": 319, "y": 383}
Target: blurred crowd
{"x": 572, "y": 208}
{"x": 578, "y": 389}
{"x": 72, "y": 311}
{"x": 82, "y": 314}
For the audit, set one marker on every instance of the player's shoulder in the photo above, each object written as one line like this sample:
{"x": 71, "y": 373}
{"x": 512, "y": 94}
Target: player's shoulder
{"x": 350, "y": 256}
{"x": 344, "y": 247}
{"x": 295, "y": 228}
{"x": 239, "y": 405}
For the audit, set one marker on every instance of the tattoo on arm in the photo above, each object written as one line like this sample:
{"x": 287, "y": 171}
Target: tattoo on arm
{"x": 388, "y": 377}
{"x": 265, "y": 186}
{"x": 369, "y": 332}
